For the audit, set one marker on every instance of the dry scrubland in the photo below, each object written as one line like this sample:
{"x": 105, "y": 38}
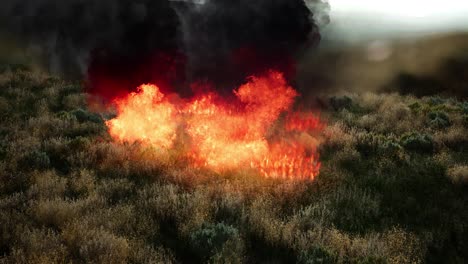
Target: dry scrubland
{"x": 393, "y": 188}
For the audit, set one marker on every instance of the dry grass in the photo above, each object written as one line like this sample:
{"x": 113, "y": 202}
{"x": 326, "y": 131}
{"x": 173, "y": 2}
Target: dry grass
{"x": 70, "y": 194}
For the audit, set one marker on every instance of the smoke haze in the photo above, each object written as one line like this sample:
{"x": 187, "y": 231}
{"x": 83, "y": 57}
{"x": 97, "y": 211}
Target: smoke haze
{"x": 119, "y": 44}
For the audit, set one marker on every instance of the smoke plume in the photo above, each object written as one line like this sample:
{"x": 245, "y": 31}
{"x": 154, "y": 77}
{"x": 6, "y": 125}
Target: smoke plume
{"x": 119, "y": 44}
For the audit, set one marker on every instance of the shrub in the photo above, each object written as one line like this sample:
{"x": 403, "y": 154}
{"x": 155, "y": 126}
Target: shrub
{"x": 438, "y": 119}
{"x": 373, "y": 144}
{"x": 417, "y": 142}
{"x": 64, "y": 115}
{"x": 79, "y": 143}
{"x": 416, "y": 106}
{"x": 455, "y": 137}
{"x": 35, "y": 159}
{"x": 458, "y": 174}
{"x": 210, "y": 238}
{"x": 367, "y": 143}
{"x": 58, "y": 151}
{"x": 46, "y": 185}
{"x": 74, "y": 101}
{"x": 81, "y": 182}
{"x": 436, "y": 100}
{"x": 464, "y": 108}
{"x": 104, "y": 247}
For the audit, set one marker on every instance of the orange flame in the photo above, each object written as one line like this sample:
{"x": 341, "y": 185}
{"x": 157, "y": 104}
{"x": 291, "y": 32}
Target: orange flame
{"x": 145, "y": 116}
{"x": 221, "y": 136}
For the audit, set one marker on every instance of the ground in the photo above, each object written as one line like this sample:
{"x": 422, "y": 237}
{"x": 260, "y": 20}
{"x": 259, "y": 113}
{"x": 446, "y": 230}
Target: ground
{"x": 392, "y": 188}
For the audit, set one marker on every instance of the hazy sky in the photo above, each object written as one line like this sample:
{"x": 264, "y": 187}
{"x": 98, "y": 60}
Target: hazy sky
{"x": 362, "y": 19}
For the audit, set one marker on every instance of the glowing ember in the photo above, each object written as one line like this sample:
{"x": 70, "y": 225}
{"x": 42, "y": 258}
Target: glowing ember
{"x": 222, "y": 136}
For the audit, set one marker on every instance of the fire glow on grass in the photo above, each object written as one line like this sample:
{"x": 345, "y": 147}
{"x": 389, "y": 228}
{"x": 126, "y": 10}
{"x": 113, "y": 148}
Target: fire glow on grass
{"x": 224, "y": 135}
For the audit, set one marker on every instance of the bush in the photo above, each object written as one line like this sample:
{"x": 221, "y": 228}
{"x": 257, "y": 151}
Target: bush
{"x": 104, "y": 247}
{"x": 417, "y": 142}
{"x": 458, "y": 174}
{"x": 35, "y": 160}
{"x": 436, "y": 100}
{"x": 210, "y": 239}
{"x": 370, "y": 144}
{"x": 439, "y": 119}
{"x": 464, "y": 108}
{"x": 455, "y": 138}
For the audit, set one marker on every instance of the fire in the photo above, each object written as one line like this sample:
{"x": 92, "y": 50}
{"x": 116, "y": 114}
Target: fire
{"x": 226, "y": 135}
{"x": 146, "y": 116}
{"x": 289, "y": 162}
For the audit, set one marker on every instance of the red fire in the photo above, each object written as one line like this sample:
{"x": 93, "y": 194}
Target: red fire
{"x": 226, "y": 135}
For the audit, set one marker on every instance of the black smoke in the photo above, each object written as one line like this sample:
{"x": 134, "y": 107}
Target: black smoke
{"x": 118, "y": 44}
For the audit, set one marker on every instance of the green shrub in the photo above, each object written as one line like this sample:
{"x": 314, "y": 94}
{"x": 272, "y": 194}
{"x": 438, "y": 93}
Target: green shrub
{"x": 464, "y": 108}
{"x": 438, "y": 119}
{"x": 417, "y": 142}
{"x": 35, "y": 160}
{"x": 415, "y": 107}
{"x": 436, "y": 100}
{"x": 369, "y": 144}
{"x": 210, "y": 238}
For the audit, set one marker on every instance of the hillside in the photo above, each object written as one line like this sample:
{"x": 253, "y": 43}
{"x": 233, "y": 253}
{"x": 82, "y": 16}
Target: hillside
{"x": 435, "y": 60}
{"x": 392, "y": 188}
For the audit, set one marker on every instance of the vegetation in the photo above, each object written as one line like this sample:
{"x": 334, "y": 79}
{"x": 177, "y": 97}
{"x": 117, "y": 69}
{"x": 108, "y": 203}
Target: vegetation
{"x": 393, "y": 188}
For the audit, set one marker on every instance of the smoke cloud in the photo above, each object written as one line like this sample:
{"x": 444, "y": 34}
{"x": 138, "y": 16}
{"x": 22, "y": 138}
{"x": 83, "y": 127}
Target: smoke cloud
{"x": 119, "y": 44}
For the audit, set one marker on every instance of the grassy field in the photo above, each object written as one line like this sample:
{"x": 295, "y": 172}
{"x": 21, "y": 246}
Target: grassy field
{"x": 393, "y": 188}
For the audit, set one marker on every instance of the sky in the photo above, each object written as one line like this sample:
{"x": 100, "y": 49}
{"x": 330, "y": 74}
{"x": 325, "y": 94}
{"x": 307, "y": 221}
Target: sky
{"x": 357, "y": 20}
